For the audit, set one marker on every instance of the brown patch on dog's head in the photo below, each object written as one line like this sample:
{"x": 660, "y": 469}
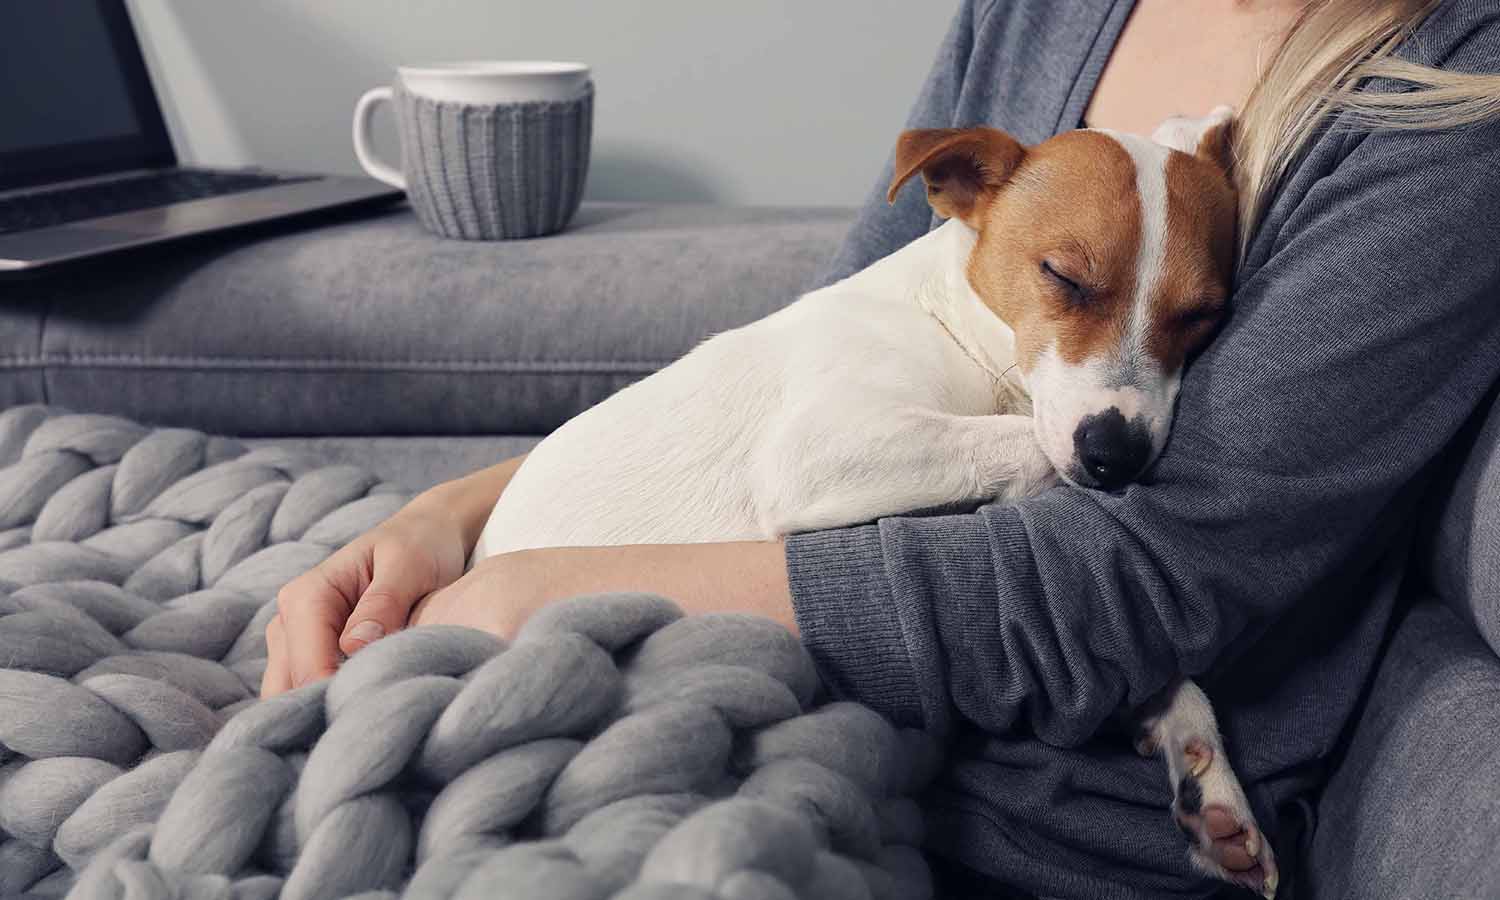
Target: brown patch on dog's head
{"x": 1056, "y": 256}
{"x": 1198, "y": 266}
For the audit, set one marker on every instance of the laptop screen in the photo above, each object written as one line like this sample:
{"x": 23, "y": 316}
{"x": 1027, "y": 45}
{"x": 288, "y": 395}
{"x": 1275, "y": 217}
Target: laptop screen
{"x": 76, "y": 100}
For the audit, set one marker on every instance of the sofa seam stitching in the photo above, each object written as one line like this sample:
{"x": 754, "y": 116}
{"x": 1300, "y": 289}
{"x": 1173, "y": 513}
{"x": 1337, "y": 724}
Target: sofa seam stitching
{"x": 124, "y": 359}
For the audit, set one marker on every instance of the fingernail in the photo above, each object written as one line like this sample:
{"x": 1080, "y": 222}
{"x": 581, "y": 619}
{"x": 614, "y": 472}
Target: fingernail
{"x": 367, "y": 632}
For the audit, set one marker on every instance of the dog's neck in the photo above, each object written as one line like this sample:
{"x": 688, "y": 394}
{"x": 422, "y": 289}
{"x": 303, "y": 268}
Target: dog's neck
{"x": 932, "y": 272}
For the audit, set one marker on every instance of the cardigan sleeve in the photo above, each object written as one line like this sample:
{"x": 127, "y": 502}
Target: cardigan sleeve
{"x": 1358, "y": 345}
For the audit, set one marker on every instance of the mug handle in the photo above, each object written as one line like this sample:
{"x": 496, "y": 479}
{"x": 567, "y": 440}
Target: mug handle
{"x": 362, "y": 143}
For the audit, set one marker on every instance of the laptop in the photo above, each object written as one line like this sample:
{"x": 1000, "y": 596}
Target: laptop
{"x": 86, "y": 166}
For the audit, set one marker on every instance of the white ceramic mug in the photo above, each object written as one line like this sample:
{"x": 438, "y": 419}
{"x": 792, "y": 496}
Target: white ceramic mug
{"x": 477, "y": 83}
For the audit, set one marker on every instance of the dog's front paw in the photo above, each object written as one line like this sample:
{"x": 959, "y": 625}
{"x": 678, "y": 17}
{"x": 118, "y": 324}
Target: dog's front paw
{"x": 1034, "y": 474}
{"x": 1211, "y": 810}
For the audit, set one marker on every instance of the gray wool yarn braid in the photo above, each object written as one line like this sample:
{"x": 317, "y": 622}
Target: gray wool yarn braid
{"x": 615, "y": 749}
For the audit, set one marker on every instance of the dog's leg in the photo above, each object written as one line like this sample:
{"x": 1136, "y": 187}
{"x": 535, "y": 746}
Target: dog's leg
{"x": 1208, "y": 803}
{"x": 832, "y": 468}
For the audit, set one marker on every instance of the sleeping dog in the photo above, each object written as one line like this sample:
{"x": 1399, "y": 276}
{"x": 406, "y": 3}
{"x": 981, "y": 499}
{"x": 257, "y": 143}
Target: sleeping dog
{"x": 1039, "y": 333}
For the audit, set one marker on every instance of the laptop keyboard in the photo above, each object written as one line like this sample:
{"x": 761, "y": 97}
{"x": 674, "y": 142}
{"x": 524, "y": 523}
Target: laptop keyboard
{"x": 59, "y": 206}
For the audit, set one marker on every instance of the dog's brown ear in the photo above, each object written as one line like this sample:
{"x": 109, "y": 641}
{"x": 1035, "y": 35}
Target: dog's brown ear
{"x": 963, "y": 167}
{"x": 1217, "y": 146}
{"x": 1210, "y": 137}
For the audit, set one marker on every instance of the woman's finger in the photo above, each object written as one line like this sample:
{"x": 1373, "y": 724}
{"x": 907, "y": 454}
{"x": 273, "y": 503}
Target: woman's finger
{"x": 385, "y": 605}
{"x": 312, "y": 611}
{"x": 277, "y": 678}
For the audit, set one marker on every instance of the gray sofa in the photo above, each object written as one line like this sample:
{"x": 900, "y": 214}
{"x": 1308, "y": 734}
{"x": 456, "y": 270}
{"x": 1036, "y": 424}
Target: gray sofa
{"x": 371, "y": 342}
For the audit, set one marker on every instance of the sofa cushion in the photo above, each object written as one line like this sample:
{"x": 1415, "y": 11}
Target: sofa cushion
{"x": 1413, "y": 810}
{"x": 375, "y": 326}
{"x": 1462, "y": 556}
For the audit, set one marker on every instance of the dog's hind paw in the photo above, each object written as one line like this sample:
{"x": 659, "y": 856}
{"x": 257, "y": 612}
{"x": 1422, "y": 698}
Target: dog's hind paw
{"x": 1208, "y": 802}
{"x": 1211, "y": 811}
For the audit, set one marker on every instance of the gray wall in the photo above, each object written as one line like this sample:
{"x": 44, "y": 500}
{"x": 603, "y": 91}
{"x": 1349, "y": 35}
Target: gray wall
{"x": 756, "y": 101}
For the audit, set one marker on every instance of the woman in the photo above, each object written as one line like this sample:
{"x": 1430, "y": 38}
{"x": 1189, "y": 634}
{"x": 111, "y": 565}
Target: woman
{"x": 1264, "y": 554}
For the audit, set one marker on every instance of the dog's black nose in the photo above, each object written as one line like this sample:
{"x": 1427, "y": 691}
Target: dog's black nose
{"x": 1111, "y": 450}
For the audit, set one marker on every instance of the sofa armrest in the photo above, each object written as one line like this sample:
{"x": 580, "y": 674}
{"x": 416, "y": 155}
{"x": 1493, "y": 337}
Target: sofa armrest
{"x": 376, "y": 327}
{"x": 1414, "y": 808}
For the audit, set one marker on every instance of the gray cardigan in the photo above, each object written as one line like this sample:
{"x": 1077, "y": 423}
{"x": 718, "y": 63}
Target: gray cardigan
{"x": 1265, "y": 553}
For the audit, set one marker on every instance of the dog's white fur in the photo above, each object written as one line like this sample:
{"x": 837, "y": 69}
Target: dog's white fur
{"x": 810, "y": 418}
{"x": 893, "y": 390}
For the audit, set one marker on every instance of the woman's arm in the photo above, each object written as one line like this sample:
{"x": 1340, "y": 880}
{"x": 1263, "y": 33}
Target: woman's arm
{"x": 502, "y": 591}
{"x": 1365, "y": 331}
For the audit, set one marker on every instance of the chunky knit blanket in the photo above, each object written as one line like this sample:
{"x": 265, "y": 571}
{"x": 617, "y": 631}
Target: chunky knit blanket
{"x": 616, "y": 749}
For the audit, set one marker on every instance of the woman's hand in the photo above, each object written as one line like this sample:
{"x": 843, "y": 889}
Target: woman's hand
{"x": 367, "y": 589}
{"x": 359, "y": 594}
{"x": 500, "y": 593}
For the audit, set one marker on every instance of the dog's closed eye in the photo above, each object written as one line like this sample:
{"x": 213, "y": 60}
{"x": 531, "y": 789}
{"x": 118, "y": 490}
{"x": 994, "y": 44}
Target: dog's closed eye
{"x": 1077, "y": 293}
{"x": 1203, "y": 314}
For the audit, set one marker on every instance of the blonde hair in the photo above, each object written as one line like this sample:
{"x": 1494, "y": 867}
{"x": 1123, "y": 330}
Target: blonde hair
{"x": 1331, "y": 47}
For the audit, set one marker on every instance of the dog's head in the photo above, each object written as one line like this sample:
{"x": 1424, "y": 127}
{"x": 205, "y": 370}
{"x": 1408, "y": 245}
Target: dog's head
{"x": 1109, "y": 256}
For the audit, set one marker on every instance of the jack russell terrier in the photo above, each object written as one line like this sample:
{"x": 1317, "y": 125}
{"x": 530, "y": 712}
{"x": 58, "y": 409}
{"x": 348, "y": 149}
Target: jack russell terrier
{"x": 1040, "y": 332}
